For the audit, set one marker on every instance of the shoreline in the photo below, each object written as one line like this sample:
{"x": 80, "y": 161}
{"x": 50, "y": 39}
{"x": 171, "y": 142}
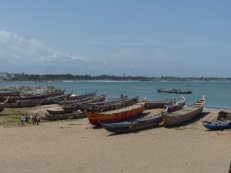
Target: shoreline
{"x": 108, "y": 80}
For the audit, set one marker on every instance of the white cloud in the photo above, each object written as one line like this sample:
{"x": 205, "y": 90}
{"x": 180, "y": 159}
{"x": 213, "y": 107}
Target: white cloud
{"x": 16, "y": 50}
{"x": 197, "y": 44}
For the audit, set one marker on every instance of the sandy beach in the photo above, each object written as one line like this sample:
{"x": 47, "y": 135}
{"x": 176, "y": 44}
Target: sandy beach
{"x": 75, "y": 146}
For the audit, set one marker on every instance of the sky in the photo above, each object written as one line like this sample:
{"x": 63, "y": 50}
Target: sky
{"x": 115, "y": 37}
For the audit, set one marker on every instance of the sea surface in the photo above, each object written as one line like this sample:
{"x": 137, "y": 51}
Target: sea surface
{"x": 218, "y": 94}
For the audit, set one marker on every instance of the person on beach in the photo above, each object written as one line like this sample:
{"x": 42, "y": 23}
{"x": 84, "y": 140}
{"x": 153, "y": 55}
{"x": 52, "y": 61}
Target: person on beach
{"x": 38, "y": 119}
{"x": 26, "y": 119}
{"x": 31, "y": 118}
{"x": 22, "y": 119}
{"x": 34, "y": 119}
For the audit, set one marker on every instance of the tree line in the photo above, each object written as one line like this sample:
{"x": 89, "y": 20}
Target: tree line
{"x": 55, "y": 77}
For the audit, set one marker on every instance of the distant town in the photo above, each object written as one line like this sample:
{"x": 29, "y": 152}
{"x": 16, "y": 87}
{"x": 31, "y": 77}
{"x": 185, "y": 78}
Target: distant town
{"x": 5, "y": 76}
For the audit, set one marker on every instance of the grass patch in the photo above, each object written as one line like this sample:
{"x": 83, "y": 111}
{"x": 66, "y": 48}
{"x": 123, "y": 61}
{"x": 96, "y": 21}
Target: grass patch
{"x": 227, "y": 129}
{"x": 10, "y": 117}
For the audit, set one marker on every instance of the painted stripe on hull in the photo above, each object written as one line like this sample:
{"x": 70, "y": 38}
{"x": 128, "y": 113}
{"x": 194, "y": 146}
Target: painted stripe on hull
{"x": 94, "y": 118}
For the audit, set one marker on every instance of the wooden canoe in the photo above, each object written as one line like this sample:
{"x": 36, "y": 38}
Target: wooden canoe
{"x": 9, "y": 93}
{"x": 175, "y": 106}
{"x": 105, "y": 102}
{"x": 40, "y": 96}
{"x": 133, "y": 125}
{"x": 111, "y": 106}
{"x": 74, "y": 115}
{"x": 3, "y": 104}
{"x": 59, "y": 111}
{"x": 217, "y": 125}
{"x": 75, "y": 104}
{"x": 83, "y": 96}
{"x": 55, "y": 99}
{"x": 157, "y": 104}
{"x": 116, "y": 115}
{"x": 23, "y": 103}
{"x": 176, "y": 91}
{"x": 181, "y": 116}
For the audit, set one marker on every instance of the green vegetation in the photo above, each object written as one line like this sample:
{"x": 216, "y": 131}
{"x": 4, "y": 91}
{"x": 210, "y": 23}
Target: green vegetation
{"x": 10, "y": 117}
{"x": 55, "y": 77}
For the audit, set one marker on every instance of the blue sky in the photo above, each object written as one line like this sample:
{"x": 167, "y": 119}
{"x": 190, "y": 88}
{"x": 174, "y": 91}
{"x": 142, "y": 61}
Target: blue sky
{"x": 135, "y": 37}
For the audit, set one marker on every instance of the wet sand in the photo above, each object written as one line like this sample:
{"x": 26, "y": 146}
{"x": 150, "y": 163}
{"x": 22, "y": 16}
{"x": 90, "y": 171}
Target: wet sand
{"x": 75, "y": 146}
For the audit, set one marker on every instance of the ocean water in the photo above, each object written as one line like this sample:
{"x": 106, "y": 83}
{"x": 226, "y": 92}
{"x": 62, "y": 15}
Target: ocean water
{"x": 218, "y": 94}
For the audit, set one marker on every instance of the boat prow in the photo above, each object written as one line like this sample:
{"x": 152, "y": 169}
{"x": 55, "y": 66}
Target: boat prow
{"x": 181, "y": 116}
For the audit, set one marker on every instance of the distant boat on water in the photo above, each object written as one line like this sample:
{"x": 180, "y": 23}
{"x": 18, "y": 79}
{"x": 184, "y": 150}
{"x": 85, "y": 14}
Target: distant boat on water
{"x": 176, "y": 91}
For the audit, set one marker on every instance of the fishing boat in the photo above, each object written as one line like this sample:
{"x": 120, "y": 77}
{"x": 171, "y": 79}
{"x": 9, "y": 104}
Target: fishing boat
{"x": 75, "y": 115}
{"x": 79, "y": 115}
{"x": 3, "y": 104}
{"x": 176, "y": 91}
{"x": 175, "y": 106}
{"x": 117, "y": 115}
{"x": 67, "y": 102}
{"x": 133, "y": 125}
{"x": 76, "y": 104}
{"x": 158, "y": 104}
{"x": 9, "y": 93}
{"x": 100, "y": 98}
{"x": 101, "y": 104}
{"x": 59, "y": 111}
{"x": 83, "y": 96}
{"x": 217, "y": 125}
{"x": 23, "y": 103}
{"x": 40, "y": 96}
{"x": 181, "y": 116}
{"x": 55, "y": 99}
{"x": 145, "y": 122}
{"x": 224, "y": 115}
{"x": 111, "y": 106}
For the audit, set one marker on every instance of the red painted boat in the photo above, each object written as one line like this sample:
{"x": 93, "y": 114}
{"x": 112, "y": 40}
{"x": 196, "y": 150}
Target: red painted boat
{"x": 175, "y": 106}
{"x": 116, "y": 115}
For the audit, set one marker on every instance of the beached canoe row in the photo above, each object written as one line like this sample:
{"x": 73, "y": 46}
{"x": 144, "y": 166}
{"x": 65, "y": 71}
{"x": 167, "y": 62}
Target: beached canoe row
{"x": 55, "y": 98}
{"x": 121, "y": 114}
{"x": 183, "y": 115}
{"x": 100, "y": 105}
{"x": 129, "y": 119}
{"x": 117, "y": 115}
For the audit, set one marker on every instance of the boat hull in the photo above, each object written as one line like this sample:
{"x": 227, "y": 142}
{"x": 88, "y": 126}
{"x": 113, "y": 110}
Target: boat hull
{"x": 176, "y": 108}
{"x": 181, "y": 116}
{"x": 134, "y": 125}
{"x": 124, "y": 114}
{"x": 217, "y": 125}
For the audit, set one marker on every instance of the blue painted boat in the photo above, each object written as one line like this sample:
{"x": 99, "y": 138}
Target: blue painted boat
{"x": 132, "y": 125}
{"x": 217, "y": 125}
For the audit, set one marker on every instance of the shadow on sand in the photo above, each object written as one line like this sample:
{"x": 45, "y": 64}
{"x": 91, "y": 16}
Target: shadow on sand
{"x": 195, "y": 119}
{"x": 132, "y": 131}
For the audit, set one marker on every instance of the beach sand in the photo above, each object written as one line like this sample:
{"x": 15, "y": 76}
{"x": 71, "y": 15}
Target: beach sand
{"x": 75, "y": 146}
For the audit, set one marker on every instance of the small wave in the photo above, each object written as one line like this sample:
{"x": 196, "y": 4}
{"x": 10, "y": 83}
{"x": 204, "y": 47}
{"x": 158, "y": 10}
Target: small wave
{"x": 67, "y": 81}
{"x": 217, "y": 108}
